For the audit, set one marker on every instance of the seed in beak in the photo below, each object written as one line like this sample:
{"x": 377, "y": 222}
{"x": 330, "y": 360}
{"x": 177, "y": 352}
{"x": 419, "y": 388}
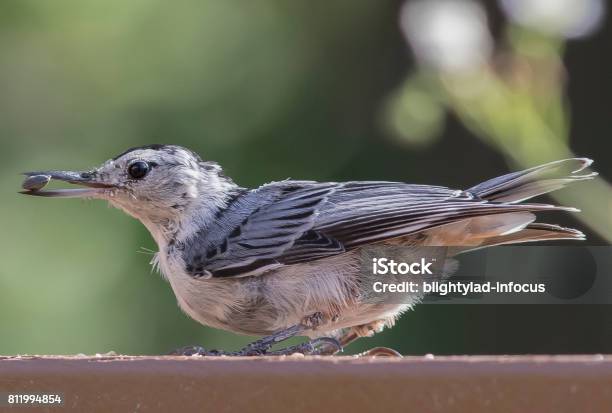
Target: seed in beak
{"x": 35, "y": 182}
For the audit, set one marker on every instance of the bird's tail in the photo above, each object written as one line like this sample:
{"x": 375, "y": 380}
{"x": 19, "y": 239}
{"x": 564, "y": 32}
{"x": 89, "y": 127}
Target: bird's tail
{"x": 536, "y": 232}
{"x": 519, "y": 186}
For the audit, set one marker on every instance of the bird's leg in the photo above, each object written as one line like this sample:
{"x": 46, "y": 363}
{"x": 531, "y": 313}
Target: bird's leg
{"x": 255, "y": 348}
{"x": 318, "y": 346}
{"x": 311, "y": 322}
{"x": 263, "y": 346}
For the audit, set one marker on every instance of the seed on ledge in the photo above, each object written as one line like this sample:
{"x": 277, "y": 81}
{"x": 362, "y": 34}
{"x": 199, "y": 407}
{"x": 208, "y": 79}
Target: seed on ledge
{"x": 35, "y": 182}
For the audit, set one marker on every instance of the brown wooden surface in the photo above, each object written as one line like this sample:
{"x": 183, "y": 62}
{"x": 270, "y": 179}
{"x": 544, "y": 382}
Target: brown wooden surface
{"x": 298, "y": 384}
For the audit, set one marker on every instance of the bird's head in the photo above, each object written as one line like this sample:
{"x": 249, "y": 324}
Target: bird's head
{"x": 156, "y": 184}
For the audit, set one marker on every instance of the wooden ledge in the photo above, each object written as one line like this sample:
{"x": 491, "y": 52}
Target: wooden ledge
{"x": 316, "y": 384}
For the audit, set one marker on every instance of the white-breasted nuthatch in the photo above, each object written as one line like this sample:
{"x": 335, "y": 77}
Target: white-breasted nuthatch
{"x": 284, "y": 259}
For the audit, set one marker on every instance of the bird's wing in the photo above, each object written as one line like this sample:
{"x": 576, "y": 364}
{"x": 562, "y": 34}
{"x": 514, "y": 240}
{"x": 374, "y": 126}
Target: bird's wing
{"x": 301, "y": 222}
{"x": 276, "y": 216}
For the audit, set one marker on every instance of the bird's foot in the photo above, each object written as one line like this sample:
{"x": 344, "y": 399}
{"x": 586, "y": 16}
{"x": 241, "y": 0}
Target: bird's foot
{"x": 318, "y": 346}
{"x": 323, "y": 345}
{"x": 263, "y": 345}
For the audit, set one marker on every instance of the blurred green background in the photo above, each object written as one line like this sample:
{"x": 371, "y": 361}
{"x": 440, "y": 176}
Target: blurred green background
{"x": 334, "y": 90}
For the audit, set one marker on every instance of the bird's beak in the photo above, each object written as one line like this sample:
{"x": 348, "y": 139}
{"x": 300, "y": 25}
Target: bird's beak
{"x": 87, "y": 179}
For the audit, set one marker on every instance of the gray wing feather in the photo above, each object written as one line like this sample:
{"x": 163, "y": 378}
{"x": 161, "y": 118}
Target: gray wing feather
{"x": 280, "y": 213}
{"x": 290, "y": 222}
{"x": 272, "y": 229}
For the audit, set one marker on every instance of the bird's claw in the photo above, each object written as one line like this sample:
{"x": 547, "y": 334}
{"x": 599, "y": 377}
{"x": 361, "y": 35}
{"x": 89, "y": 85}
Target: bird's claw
{"x": 318, "y": 346}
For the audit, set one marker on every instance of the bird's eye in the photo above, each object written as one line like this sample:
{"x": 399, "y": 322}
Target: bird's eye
{"x": 138, "y": 169}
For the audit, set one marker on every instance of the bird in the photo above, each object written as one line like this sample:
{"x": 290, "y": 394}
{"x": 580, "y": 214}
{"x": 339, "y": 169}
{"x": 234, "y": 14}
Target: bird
{"x": 285, "y": 259}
